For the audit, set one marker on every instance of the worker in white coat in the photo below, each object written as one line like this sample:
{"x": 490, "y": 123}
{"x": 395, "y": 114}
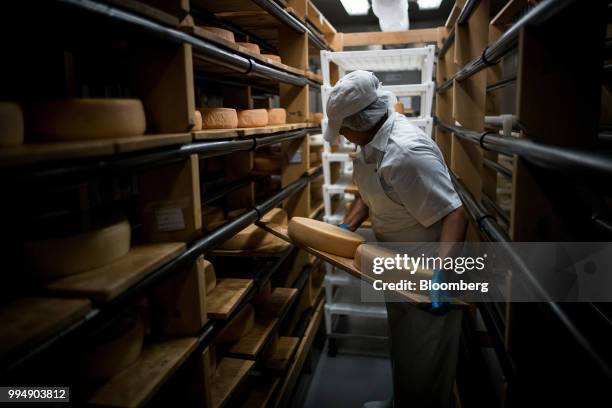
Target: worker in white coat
{"x": 405, "y": 188}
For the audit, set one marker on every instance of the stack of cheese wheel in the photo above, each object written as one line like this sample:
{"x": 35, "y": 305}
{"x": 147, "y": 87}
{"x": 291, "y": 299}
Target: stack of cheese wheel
{"x": 252, "y": 118}
{"x": 84, "y": 119}
{"x": 238, "y": 326}
{"x": 266, "y": 163}
{"x": 211, "y": 216}
{"x": 219, "y": 118}
{"x": 277, "y": 116}
{"x": 316, "y": 117}
{"x": 225, "y": 34}
{"x": 81, "y": 252}
{"x": 324, "y": 237}
{"x": 254, "y": 48}
{"x": 113, "y": 349}
{"x": 273, "y": 57}
{"x": 197, "y": 120}
{"x": 11, "y": 124}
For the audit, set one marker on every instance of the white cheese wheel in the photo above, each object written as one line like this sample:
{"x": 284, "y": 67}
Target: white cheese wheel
{"x": 252, "y": 118}
{"x": 53, "y": 258}
{"x": 251, "y": 237}
{"x": 254, "y": 48}
{"x": 211, "y": 216}
{"x": 324, "y": 237}
{"x": 219, "y": 118}
{"x": 83, "y": 119}
{"x": 277, "y": 116}
{"x": 210, "y": 277}
{"x": 399, "y": 107}
{"x": 240, "y": 325}
{"x": 11, "y": 124}
{"x": 316, "y": 117}
{"x": 107, "y": 358}
{"x": 266, "y": 163}
{"x": 273, "y": 57}
{"x": 275, "y": 216}
{"x": 197, "y": 118}
{"x": 227, "y": 35}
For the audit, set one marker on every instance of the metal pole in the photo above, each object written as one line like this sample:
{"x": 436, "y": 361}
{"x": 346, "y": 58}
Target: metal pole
{"x": 466, "y": 11}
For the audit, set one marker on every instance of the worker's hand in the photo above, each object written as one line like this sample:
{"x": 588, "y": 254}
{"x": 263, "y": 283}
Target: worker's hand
{"x": 440, "y": 300}
{"x": 345, "y": 226}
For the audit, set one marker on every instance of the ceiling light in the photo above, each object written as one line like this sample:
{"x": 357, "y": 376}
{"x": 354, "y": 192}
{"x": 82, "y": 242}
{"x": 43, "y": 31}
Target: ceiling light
{"x": 429, "y": 4}
{"x": 356, "y": 7}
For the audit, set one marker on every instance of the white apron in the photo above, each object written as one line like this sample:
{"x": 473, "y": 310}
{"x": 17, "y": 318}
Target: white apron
{"x": 424, "y": 347}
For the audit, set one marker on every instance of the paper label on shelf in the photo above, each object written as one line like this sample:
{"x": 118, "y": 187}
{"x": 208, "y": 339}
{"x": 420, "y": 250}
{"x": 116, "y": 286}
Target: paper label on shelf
{"x": 296, "y": 158}
{"x": 169, "y": 219}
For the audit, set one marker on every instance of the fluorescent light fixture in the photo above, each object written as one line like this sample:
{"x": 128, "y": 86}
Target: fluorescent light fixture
{"x": 429, "y": 4}
{"x": 356, "y": 7}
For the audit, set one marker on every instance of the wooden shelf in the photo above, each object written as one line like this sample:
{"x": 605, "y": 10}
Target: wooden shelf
{"x": 278, "y": 301}
{"x": 279, "y": 361}
{"x": 230, "y": 373}
{"x": 108, "y": 282}
{"x": 252, "y": 343}
{"x": 136, "y": 384}
{"x": 274, "y": 249}
{"x": 258, "y": 391}
{"x": 211, "y": 134}
{"x": 226, "y": 296}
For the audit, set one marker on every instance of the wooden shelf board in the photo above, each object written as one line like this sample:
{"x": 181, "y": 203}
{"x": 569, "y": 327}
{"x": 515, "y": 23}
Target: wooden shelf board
{"x": 136, "y": 384}
{"x": 277, "y": 302}
{"x": 132, "y": 144}
{"x": 279, "y": 361}
{"x": 107, "y": 282}
{"x": 313, "y": 170}
{"x": 275, "y": 249}
{"x": 208, "y": 134}
{"x": 315, "y": 213}
{"x": 259, "y": 391}
{"x": 252, "y": 342}
{"x": 226, "y": 296}
{"x": 28, "y": 321}
{"x": 230, "y": 373}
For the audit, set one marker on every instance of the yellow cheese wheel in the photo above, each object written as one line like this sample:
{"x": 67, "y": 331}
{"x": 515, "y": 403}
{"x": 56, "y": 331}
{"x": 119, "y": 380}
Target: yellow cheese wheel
{"x": 240, "y": 325}
{"x": 109, "y": 356}
{"x": 197, "y": 118}
{"x": 252, "y": 118}
{"x": 275, "y": 216}
{"x": 210, "y": 276}
{"x": 251, "y": 237}
{"x": 316, "y": 117}
{"x": 83, "y": 119}
{"x": 324, "y": 237}
{"x": 272, "y": 57}
{"x": 277, "y": 116}
{"x": 254, "y": 48}
{"x": 219, "y": 118}
{"x": 79, "y": 253}
{"x": 266, "y": 163}
{"x": 227, "y": 35}
{"x": 211, "y": 216}
{"x": 399, "y": 107}
{"x": 11, "y": 124}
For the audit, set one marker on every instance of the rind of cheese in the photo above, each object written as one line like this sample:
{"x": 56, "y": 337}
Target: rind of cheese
{"x": 252, "y": 118}
{"x": 273, "y": 57}
{"x": 266, "y": 163}
{"x": 108, "y": 358}
{"x": 197, "y": 118}
{"x": 11, "y": 124}
{"x": 210, "y": 277}
{"x": 251, "y": 237}
{"x": 399, "y": 107}
{"x": 324, "y": 237}
{"x": 240, "y": 325}
{"x": 53, "y": 258}
{"x": 316, "y": 117}
{"x": 275, "y": 216}
{"x": 277, "y": 116}
{"x": 211, "y": 216}
{"x": 88, "y": 118}
{"x": 219, "y": 118}
{"x": 227, "y": 35}
{"x": 254, "y": 48}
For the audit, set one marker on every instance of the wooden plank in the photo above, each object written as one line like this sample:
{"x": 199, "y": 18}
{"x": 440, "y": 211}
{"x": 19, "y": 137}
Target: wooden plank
{"x": 136, "y": 384}
{"x": 275, "y": 249}
{"x": 28, "y": 321}
{"x": 252, "y": 343}
{"x": 140, "y": 7}
{"x": 226, "y": 296}
{"x": 230, "y": 373}
{"x": 285, "y": 350}
{"x": 318, "y": 20}
{"x": 422, "y": 35}
{"x": 278, "y": 301}
{"x": 452, "y": 16}
{"x": 259, "y": 391}
{"x": 507, "y": 13}
{"x": 209, "y": 134}
{"x": 109, "y": 281}
{"x": 132, "y": 144}
{"x": 30, "y": 153}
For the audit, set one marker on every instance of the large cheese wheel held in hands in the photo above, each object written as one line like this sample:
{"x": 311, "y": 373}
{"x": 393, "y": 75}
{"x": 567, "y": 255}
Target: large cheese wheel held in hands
{"x": 277, "y": 116}
{"x": 227, "y": 35}
{"x": 11, "y": 124}
{"x": 219, "y": 118}
{"x": 57, "y": 257}
{"x": 324, "y": 237}
{"x": 252, "y": 118}
{"x": 254, "y": 48}
{"x": 86, "y": 119}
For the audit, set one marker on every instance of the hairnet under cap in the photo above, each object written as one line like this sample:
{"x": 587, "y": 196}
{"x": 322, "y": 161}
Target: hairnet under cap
{"x": 367, "y": 118}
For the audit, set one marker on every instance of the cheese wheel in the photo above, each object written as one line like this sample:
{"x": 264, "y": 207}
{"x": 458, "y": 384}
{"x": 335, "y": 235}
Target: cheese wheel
{"x": 236, "y": 213}
{"x": 316, "y": 117}
{"x": 218, "y": 118}
{"x": 211, "y": 216}
{"x": 240, "y": 325}
{"x": 277, "y": 116}
{"x": 254, "y": 48}
{"x": 109, "y": 356}
{"x": 266, "y": 163}
{"x": 227, "y": 35}
{"x": 252, "y": 118}
{"x": 399, "y": 107}
{"x": 324, "y": 237}
{"x": 272, "y": 57}
{"x": 11, "y": 124}
{"x": 275, "y": 216}
{"x": 64, "y": 256}
{"x": 210, "y": 276}
{"x": 197, "y": 118}
{"x": 251, "y": 237}
{"x": 83, "y": 119}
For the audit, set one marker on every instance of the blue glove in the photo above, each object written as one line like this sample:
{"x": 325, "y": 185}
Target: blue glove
{"x": 439, "y": 298}
{"x": 345, "y": 226}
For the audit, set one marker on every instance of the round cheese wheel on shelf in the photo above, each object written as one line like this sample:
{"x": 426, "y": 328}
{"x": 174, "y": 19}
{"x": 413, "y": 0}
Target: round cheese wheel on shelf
{"x": 324, "y": 237}
{"x": 240, "y": 325}
{"x": 272, "y": 57}
{"x": 210, "y": 277}
{"x": 211, "y": 215}
{"x": 275, "y": 216}
{"x": 57, "y": 257}
{"x": 399, "y": 107}
{"x": 251, "y": 237}
{"x": 227, "y": 35}
{"x": 277, "y": 116}
{"x": 219, "y": 118}
{"x": 266, "y": 163}
{"x": 85, "y": 119}
{"x": 197, "y": 118}
{"x": 252, "y": 118}
{"x": 11, "y": 124}
{"x": 316, "y": 117}
{"x": 254, "y": 48}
